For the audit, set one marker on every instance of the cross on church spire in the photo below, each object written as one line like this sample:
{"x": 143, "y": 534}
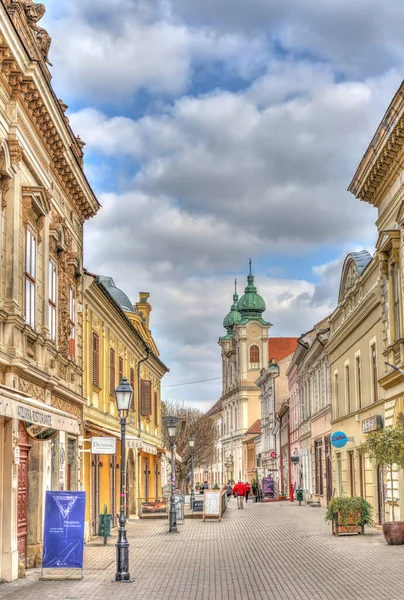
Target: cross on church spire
{"x": 250, "y": 266}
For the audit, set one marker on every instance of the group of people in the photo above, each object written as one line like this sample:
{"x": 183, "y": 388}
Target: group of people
{"x": 240, "y": 491}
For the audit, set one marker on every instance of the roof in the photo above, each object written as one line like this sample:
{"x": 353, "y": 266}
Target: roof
{"x": 255, "y": 428}
{"x": 215, "y": 409}
{"x": 281, "y": 347}
{"x": 116, "y": 293}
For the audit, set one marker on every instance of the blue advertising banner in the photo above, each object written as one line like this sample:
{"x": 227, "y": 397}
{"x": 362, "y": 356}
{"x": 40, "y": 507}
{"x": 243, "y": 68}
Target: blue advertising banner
{"x": 63, "y": 541}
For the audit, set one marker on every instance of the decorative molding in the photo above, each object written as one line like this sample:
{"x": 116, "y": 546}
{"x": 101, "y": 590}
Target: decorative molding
{"x": 67, "y": 407}
{"x": 35, "y": 391}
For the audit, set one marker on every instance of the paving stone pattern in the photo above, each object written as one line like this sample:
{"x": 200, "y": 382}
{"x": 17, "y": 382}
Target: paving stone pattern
{"x": 266, "y": 551}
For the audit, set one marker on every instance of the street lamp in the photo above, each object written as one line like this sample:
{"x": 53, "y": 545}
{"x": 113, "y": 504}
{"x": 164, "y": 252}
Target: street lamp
{"x": 191, "y": 442}
{"x": 124, "y": 393}
{"x": 171, "y": 424}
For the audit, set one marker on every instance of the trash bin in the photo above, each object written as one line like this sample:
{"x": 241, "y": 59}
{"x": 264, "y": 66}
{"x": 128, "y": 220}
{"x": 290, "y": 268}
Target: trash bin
{"x": 299, "y": 496}
{"x": 104, "y": 524}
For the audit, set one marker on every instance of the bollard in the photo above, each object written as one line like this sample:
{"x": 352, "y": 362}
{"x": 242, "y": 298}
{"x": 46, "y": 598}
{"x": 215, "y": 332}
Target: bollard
{"x": 291, "y": 492}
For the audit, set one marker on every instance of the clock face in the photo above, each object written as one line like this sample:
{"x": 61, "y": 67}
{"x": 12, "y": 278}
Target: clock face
{"x": 254, "y": 331}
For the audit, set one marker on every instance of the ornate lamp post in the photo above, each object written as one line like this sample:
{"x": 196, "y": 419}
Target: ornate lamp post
{"x": 124, "y": 393}
{"x": 171, "y": 424}
{"x": 191, "y": 442}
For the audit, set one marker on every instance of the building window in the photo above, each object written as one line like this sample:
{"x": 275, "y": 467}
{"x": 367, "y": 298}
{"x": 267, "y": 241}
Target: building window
{"x": 120, "y": 369}
{"x": 112, "y": 372}
{"x": 30, "y": 273}
{"x": 347, "y": 389}
{"x": 319, "y": 390}
{"x": 326, "y": 399}
{"x": 132, "y": 384}
{"x": 374, "y": 371}
{"x": 145, "y": 397}
{"x": 318, "y": 457}
{"x": 156, "y": 409}
{"x": 335, "y": 398}
{"x": 254, "y": 356}
{"x": 52, "y": 300}
{"x": 96, "y": 360}
{"x": 72, "y": 316}
{"x": 359, "y": 380}
{"x": 396, "y": 301}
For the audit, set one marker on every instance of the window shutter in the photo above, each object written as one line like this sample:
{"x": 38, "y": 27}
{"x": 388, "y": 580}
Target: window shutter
{"x": 120, "y": 361}
{"x": 96, "y": 360}
{"x": 111, "y": 372}
{"x": 132, "y": 383}
{"x": 145, "y": 398}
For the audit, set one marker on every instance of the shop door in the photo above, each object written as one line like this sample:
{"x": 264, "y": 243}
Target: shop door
{"x": 146, "y": 480}
{"x": 95, "y": 492}
{"x": 328, "y": 468}
{"x": 22, "y": 510}
{"x": 380, "y": 495}
{"x": 112, "y": 488}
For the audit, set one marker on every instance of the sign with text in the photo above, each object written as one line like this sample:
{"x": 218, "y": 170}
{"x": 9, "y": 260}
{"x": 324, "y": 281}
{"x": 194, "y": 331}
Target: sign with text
{"x": 63, "y": 539}
{"x": 339, "y": 439}
{"x": 268, "y": 486}
{"x": 372, "y": 424}
{"x": 103, "y": 445}
{"x": 39, "y": 432}
{"x": 212, "y": 506}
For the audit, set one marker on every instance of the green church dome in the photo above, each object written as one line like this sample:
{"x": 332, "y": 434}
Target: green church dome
{"x": 251, "y": 304}
{"x": 233, "y": 317}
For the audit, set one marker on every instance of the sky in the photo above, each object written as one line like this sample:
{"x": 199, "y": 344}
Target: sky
{"x": 216, "y": 132}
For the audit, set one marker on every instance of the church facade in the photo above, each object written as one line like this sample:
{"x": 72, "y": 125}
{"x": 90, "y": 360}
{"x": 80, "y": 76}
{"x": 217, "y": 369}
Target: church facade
{"x": 244, "y": 354}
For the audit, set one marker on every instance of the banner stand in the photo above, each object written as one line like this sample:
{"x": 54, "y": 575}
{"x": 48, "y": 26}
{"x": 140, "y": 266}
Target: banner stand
{"x": 63, "y": 539}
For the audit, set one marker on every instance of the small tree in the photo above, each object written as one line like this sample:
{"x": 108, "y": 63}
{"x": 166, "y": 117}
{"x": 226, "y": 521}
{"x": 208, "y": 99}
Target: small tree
{"x": 386, "y": 448}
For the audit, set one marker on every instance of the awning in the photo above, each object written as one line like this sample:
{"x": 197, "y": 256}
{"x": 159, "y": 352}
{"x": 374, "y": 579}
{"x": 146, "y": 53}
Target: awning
{"x": 17, "y": 405}
{"x": 99, "y": 429}
{"x": 133, "y": 442}
{"x": 149, "y": 448}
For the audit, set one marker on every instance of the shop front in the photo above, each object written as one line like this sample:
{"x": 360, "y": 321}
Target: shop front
{"x": 34, "y": 438}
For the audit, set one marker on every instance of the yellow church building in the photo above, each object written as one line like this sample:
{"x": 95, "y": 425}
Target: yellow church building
{"x": 118, "y": 343}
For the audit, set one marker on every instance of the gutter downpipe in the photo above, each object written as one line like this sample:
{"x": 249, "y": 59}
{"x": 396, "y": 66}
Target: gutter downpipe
{"x": 139, "y": 466}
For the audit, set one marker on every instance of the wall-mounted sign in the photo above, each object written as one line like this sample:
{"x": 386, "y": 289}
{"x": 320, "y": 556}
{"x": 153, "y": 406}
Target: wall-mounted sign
{"x": 294, "y": 459}
{"x": 372, "y": 424}
{"x": 39, "y": 432}
{"x": 16, "y": 458}
{"x": 339, "y": 439}
{"x": 103, "y": 445}
{"x": 273, "y": 454}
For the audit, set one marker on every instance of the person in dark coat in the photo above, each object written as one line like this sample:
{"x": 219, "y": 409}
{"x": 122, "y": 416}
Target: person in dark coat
{"x": 247, "y": 490}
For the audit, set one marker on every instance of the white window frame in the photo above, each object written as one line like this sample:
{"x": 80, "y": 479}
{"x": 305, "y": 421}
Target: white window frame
{"x": 52, "y": 300}
{"x": 30, "y": 277}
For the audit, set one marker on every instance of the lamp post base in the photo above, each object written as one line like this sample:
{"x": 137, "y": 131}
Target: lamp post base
{"x": 122, "y": 560}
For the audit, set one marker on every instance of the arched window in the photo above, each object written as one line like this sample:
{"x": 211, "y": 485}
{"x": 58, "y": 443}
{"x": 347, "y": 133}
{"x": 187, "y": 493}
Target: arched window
{"x": 254, "y": 355}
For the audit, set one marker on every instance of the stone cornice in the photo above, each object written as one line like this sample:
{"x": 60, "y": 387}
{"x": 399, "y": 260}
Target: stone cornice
{"x": 27, "y": 85}
{"x": 382, "y": 157}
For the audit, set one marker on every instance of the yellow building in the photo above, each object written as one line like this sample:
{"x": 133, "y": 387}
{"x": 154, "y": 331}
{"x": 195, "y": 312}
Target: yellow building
{"x": 356, "y": 364}
{"x": 118, "y": 343}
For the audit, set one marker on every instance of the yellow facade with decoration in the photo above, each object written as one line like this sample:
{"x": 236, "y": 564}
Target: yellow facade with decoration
{"x": 118, "y": 343}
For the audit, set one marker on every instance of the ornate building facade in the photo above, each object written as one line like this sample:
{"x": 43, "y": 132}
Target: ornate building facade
{"x": 45, "y": 201}
{"x": 118, "y": 343}
{"x": 244, "y": 354}
{"x": 379, "y": 181}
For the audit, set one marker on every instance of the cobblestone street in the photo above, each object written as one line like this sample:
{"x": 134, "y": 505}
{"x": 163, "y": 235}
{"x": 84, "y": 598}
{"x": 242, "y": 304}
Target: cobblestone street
{"x": 278, "y": 551}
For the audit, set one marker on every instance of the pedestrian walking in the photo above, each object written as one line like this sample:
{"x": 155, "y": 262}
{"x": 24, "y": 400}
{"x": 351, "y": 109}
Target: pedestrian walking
{"x": 239, "y": 492}
{"x": 247, "y": 490}
{"x": 228, "y": 490}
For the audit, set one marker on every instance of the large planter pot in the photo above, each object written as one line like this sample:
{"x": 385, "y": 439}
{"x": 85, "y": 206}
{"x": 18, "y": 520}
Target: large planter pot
{"x": 348, "y": 528}
{"x": 394, "y": 533}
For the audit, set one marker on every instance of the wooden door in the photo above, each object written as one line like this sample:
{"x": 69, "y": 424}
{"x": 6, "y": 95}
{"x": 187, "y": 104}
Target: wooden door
{"x": 95, "y": 492}
{"x": 22, "y": 509}
{"x": 328, "y": 468}
{"x": 380, "y": 495}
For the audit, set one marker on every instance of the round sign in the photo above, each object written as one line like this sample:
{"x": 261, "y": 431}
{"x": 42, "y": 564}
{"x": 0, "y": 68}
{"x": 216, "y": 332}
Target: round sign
{"x": 39, "y": 432}
{"x": 339, "y": 439}
{"x": 273, "y": 455}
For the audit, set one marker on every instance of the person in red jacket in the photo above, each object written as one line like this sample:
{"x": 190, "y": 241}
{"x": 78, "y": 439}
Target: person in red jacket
{"x": 239, "y": 491}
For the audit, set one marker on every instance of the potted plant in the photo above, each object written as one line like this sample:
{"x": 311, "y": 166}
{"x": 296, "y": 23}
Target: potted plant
{"x": 216, "y": 487}
{"x": 197, "y": 485}
{"x": 386, "y": 448}
{"x": 349, "y": 515}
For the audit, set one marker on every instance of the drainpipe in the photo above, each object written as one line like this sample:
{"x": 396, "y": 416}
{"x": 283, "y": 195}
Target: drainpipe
{"x": 289, "y": 461}
{"x": 281, "y": 490}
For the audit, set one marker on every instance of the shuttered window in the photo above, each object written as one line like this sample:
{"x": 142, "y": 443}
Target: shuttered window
{"x": 112, "y": 372}
{"x": 132, "y": 383}
{"x": 96, "y": 360}
{"x": 120, "y": 367}
{"x": 156, "y": 409}
{"x": 145, "y": 398}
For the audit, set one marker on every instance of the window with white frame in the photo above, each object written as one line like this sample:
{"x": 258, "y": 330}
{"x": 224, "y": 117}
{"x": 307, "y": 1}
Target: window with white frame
{"x": 72, "y": 317}
{"x": 396, "y": 301}
{"x": 52, "y": 300}
{"x": 326, "y": 399}
{"x": 30, "y": 276}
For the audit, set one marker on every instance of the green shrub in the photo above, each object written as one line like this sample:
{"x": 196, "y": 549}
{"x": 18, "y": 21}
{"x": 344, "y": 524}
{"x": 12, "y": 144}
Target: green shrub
{"x": 351, "y": 511}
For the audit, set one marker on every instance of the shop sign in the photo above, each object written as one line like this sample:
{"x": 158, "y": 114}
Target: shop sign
{"x": 149, "y": 448}
{"x": 273, "y": 454}
{"x": 39, "y": 432}
{"x": 133, "y": 442}
{"x": 103, "y": 445}
{"x": 17, "y": 454}
{"x": 339, "y": 439}
{"x": 372, "y": 424}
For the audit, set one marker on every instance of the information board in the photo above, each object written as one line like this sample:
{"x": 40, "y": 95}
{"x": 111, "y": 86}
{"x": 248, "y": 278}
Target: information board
{"x": 212, "y": 504}
{"x": 197, "y": 506}
{"x": 63, "y": 540}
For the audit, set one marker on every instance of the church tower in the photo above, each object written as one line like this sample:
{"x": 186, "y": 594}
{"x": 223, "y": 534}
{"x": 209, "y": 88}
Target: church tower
{"x": 244, "y": 354}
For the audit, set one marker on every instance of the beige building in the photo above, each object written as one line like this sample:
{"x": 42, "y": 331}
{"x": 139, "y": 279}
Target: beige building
{"x": 379, "y": 181}
{"x": 45, "y": 201}
{"x": 244, "y": 354}
{"x": 356, "y": 365}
